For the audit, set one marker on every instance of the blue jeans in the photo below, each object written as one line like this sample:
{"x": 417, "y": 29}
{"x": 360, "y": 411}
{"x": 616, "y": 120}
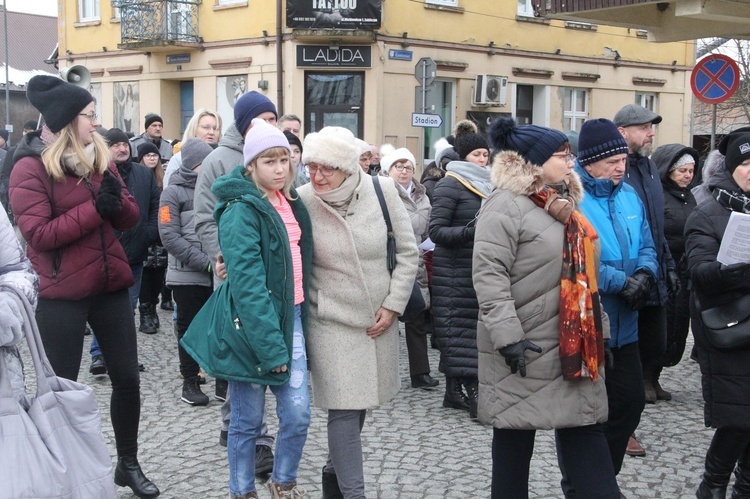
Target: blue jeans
{"x": 293, "y": 411}
{"x": 132, "y": 294}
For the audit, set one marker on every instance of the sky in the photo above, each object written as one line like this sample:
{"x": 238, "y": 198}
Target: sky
{"x": 44, "y": 7}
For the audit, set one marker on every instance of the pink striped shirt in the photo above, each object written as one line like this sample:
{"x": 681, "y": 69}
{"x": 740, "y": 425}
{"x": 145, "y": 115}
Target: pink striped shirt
{"x": 295, "y": 233}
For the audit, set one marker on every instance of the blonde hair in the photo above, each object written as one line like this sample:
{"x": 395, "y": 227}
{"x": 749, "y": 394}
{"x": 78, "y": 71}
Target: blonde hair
{"x": 192, "y": 127}
{"x": 68, "y": 141}
{"x": 274, "y": 152}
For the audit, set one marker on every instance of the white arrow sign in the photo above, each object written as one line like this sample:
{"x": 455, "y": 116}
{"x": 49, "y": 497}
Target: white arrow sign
{"x": 426, "y": 120}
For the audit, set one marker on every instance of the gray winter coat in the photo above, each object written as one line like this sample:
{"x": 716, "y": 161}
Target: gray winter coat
{"x": 418, "y": 207}
{"x": 165, "y": 147}
{"x": 220, "y": 162}
{"x": 518, "y": 250}
{"x": 188, "y": 263}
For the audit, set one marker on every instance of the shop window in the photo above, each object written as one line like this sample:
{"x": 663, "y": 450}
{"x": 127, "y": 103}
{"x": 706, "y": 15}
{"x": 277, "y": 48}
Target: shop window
{"x": 575, "y": 108}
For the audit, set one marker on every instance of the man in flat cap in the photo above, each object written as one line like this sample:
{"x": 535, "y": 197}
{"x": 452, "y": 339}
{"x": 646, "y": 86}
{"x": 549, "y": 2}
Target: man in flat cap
{"x": 636, "y": 124}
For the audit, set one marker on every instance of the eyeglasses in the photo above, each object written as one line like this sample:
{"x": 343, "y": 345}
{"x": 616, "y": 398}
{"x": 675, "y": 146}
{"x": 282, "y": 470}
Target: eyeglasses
{"x": 208, "y": 127}
{"x": 151, "y": 155}
{"x": 326, "y": 171}
{"x": 402, "y": 167}
{"x": 566, "y": 156}
{"x": 91, "y": 117}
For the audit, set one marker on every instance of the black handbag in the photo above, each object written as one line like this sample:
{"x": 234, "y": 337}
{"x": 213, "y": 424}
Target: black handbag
{"x": 416, "y": 304}
{"x": 727, "y": 326}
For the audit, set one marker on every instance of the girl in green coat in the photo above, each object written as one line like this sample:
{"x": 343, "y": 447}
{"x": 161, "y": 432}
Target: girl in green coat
{"x": 264, "y": 232}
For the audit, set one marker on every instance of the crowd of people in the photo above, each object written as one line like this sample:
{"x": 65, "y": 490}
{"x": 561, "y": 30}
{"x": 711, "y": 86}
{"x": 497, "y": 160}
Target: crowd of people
{"x": 557, "y": 274}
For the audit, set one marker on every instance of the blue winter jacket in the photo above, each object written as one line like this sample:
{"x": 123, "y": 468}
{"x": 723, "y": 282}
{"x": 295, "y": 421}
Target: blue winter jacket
{"x": 619, "y": 218}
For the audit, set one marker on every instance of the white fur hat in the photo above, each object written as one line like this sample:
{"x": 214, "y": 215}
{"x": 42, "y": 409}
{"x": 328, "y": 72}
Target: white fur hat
{"x": 332, "y": 146}
{"x": 398, "y": 154}
{"x": 363, "y": 146}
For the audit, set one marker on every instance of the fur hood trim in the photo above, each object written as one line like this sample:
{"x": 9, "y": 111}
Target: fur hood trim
{"x": 512, "y": 173}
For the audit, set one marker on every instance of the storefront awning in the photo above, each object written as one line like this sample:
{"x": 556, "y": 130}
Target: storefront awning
{"x": 665, "y": 20}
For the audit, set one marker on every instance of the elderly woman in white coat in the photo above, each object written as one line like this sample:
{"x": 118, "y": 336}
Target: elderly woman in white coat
{"x": 400, "y": 166}
{"x": 541, "y": 331}
{"x": 352, "y": 336}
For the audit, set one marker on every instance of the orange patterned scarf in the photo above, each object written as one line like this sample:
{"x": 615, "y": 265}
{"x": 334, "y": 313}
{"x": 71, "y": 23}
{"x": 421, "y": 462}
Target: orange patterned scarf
{"x": 581, "y": 344}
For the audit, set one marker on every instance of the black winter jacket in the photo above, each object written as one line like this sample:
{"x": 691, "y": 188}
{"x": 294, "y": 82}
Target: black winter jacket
{"x": 454, "y": 302}
{"x": 430, "y": 177}
{"x": 142, "y": 186}
{"x": 678, "y": 201}
{"x": 725, "y": 374}
{"x": 641, "y": 174}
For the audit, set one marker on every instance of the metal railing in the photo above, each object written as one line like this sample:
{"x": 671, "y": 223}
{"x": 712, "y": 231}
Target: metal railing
{"x": 158, "y": 22}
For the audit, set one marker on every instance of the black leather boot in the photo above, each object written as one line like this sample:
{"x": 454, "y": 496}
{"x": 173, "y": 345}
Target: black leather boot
{"x": 155, "y": 316}
{"x": 472, "y": 394}
{"x": 725, "y": 450}
{"x": 741, "y": 488}
{"x": 147, "y": 322}
{"x": 331, "y": 488}
{"x": 455, "y": 398}
{"x": 128, "y": 474}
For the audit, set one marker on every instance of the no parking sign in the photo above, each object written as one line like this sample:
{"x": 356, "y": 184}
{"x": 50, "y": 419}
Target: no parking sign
{"x": 715, "y": 78}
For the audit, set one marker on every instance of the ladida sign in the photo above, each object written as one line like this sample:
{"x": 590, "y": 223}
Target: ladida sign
{"x": 337, "y": 14}
{"x": 323, "y": 56}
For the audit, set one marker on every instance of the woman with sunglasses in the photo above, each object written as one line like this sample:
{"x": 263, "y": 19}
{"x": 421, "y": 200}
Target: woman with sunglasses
{"x": 69, "y": 200}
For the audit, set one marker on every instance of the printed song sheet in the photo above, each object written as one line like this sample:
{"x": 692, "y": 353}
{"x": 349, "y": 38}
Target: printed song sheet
{"x": 735, "y": 245}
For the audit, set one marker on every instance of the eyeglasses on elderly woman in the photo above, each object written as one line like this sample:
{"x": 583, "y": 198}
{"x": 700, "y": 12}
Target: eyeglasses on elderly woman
{"x": 326, "y": 171}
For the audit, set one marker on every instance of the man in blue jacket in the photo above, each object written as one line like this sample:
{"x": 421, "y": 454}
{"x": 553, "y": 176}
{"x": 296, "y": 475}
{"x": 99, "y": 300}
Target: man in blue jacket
{"x": 627, "y": 270}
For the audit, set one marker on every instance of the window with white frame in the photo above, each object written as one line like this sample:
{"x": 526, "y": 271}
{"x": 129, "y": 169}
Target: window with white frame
{"x": 646, "y": 99}
{"x": 88, "y": 10}
{"x": 116, "y": 9}
{"x": 232, "y": 2}
{"x": 525, "y": 8}
{"x": 575, "y": 108}
{"x": 447, "y": 3}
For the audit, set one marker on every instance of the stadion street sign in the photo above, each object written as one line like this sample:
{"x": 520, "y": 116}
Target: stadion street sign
{"x": 424, "y": 120}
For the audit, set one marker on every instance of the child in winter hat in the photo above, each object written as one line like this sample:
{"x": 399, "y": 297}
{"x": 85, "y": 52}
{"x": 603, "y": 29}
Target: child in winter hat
{"x": 261, "y": 137}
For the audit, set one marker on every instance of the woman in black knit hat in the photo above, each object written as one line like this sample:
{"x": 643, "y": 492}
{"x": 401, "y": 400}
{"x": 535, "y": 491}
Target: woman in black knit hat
{"x": 69, "y": 200}
{"x": 455, "y": 206}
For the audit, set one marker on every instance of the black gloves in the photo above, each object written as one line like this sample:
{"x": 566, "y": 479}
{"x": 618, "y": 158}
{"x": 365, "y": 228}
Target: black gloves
{"x": 108, "y": 202}
{"x": 674, "y": 285}
{"x": 609, "y": 357}
{"x": 514, "y": 355}
{"x": 735, "y": 274}
{"x": 637, "y": 288}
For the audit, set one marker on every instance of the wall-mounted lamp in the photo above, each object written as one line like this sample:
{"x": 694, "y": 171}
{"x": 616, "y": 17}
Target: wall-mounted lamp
{"x": 263, "y": 84}
{"x": 404, "y": 37}
{"x": 491, "y": 51}
{"x": 557, "y": 52}
{"x": 104, "y": 49}
{"x": 265, "y": 41}
{"x": 674, "y": 66}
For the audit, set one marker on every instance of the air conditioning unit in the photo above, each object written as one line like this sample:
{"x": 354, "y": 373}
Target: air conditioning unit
{"x": 490, "y": 90}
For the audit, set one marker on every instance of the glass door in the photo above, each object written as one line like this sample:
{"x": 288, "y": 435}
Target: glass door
{"x": 334, "y": 99}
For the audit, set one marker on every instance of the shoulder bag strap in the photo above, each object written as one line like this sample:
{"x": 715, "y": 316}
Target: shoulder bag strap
{"x": 391, "y": 242}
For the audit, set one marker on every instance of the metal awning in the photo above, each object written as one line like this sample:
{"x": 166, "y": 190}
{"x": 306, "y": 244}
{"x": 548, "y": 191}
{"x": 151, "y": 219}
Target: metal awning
{"x": 665, "y": 20}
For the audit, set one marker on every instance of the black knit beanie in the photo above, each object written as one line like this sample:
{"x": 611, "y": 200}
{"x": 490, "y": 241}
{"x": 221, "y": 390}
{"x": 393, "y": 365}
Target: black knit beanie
{"x": 147, "y": 148}
{"x": 115, "y": 136}
{"x": 736, "y": 149}
{"x": 535, "y": 143}
{"x": 248, "y": 107}
{"x": 293, "y": 140}
{"x": 599, "y": 139}
{"x": 59, "y": 101}
{"x": 467, "y": 142}
{"x": 151, "y": 118}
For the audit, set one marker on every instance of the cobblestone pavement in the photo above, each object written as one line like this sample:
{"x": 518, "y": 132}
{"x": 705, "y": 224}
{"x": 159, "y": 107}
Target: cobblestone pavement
{"x": 414, "y": 448}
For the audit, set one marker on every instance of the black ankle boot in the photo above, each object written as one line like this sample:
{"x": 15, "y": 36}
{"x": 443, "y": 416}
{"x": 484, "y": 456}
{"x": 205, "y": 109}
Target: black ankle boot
{"x": 472, "y": 394}
{"x": 725, "y": 450}
{"x": 741, "y": 488}
{"x": 331, "y": 488}
{"x": 128, "y": 474}
{"x": 147, "y": 321}
{"x": 455, "y": 398}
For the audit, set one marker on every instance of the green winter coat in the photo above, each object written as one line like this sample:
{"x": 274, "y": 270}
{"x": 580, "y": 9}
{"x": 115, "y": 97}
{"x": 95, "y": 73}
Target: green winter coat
{"x": 246, "y": 328}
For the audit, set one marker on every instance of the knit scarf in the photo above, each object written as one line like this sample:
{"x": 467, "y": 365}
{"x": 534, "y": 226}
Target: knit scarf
{"x": 473, "y": 177}
{"x": 73, "y": 163}
{"x": 581, "y": 344}
{"x": 732, "y": 200}
{"x": 340, "y": 197}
